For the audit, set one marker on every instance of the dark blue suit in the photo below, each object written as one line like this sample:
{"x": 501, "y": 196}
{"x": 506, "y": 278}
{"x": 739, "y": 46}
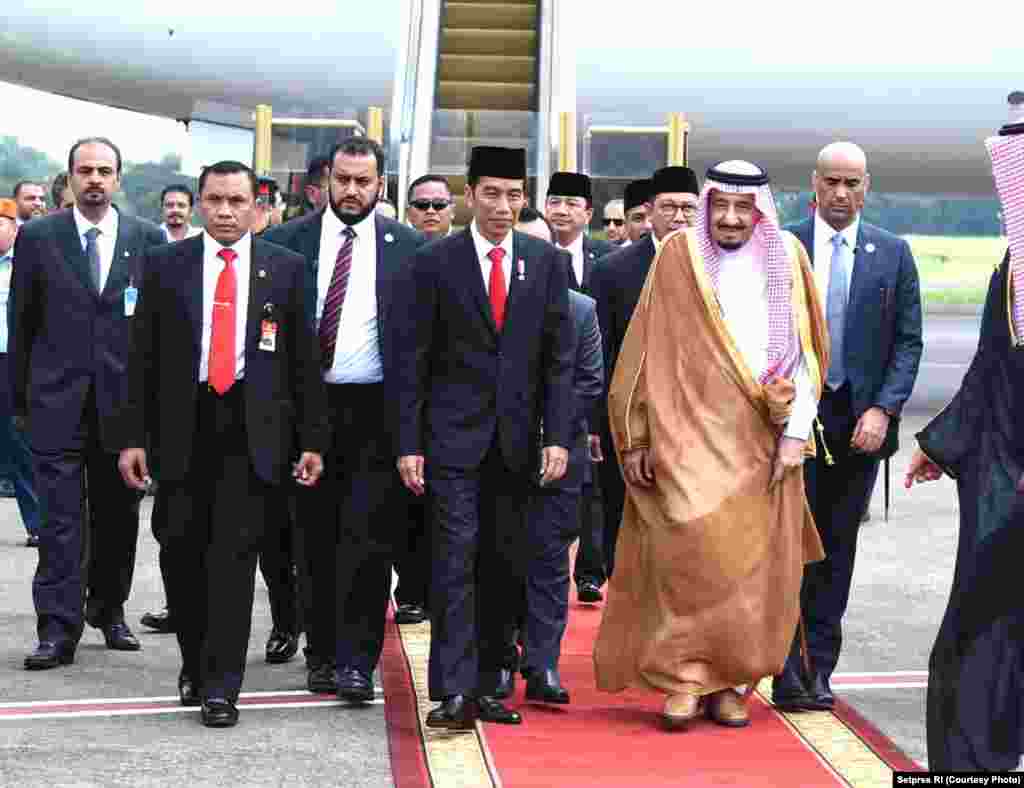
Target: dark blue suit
{"x": 470, "y": 400}
{"x": 616, "y": 284}
{"x": 882, "y": 351}
{"x": 353, "y": 521}
{"x": 68, "y": 356}
{"x": 554, "y": 517}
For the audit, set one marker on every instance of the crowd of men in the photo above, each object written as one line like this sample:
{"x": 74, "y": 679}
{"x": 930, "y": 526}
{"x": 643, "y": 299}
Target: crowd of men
{"x": 342, "y": 396}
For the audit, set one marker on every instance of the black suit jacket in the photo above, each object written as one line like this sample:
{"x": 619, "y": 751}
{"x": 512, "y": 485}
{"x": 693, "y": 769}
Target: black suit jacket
{"x": 459, "y": 380}
{"x": 593, "y": 250}
{"x": 65, "y": 337}
{"x": 587, "y": 386}
{"x": 396, "y": 245}
{"x": 882, "y": 338}
{"x": 284, "y": 394}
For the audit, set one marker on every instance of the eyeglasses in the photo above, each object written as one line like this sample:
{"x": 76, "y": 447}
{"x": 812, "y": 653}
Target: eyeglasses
{"x": 437, "y": 205}
{"x": 616, "y": 222}
{"x": 670, "y": 209}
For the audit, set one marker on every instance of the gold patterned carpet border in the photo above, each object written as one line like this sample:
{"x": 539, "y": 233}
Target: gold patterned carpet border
{"x": 454, "y": 759}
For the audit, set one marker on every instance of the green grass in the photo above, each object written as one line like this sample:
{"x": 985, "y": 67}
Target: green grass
{"x": 955, "y": 270}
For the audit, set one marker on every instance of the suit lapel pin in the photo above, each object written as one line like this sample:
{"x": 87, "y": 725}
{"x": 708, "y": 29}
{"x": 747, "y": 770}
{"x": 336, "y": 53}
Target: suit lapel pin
{"x": 388, "y": 238}
{"x": 521, "y": 270}
{"x": 870, "y": 248}
{"x": 591, "y": 255}
{"x": 261, "y": 274}
{"x": 127, "y": 253}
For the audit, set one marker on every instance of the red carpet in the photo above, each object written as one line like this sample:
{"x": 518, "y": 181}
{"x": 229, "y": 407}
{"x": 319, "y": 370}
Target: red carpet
{"x": 616, "y": 740}
{"x": 408, "y": 762}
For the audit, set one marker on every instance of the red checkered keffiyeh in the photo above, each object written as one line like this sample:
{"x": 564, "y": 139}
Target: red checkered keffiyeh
{"x": 784, "y": 352}
{"x": 1007, "y": 154}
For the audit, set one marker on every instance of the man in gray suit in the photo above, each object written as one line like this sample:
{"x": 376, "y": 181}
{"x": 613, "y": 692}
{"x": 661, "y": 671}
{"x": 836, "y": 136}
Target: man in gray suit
{"x": 868, "y": 281}
{"x": 555, "y": 516}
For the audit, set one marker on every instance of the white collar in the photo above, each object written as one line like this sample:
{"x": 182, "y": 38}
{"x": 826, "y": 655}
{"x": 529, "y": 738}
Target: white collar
{"x": 823, "y": 229}
{"x": 364, "y": 228}
{"x": 483, "y": 246}
{"x": 107, "y": 225}
{"x": 212, "y": 246}
{"x": 575, "y": 248}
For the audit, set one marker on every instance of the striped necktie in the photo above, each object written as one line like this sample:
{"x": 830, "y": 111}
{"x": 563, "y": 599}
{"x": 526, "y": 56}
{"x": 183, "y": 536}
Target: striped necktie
{"x": 335, "y": 299}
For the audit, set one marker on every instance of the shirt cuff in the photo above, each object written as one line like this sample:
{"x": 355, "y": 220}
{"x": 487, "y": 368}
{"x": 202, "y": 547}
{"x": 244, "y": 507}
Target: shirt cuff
{"x": 805, "y": 406}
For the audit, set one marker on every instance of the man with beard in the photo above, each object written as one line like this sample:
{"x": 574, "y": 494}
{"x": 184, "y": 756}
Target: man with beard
{"x": 974, "y": 673}
{"x": 176, "y": 202}
{"x": 614, "y": 222}
{"x": 711, "y": 406}
{"x": 569, "y": 208}
{"x": 74, "y": 292}
{"x": 868, "y": 281}
{"x": 351, "y": 522}
{"x": 30, "y": 197}
{"x": 671, "y": 204}
{"x": 485, "y": 353}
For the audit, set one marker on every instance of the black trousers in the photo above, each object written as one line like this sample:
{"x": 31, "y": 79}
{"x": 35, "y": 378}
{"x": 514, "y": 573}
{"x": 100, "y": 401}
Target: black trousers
{"x": 613, "y": 498}
{"x": 213, "y": 532}
{"x": 554, "y": 523}
{"x": 478, "y": 572}
{"x": 838, "y": 496}
{"x": 412, "y": 557}
{"x": 87, "y": 537}
{"x": 278, "y": 565}
{"x": 352, "y": 521}
{"x": 590, "y": 558}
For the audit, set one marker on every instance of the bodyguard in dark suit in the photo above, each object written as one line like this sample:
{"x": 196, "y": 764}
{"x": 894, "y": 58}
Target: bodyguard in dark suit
{"x": 868, "y": 281}
{"x": 555, "y": 517}
{"x": 616, "y": 285}
{"x": 224, "y": 385}
{"x": 354, "y": 522}
{"x": 569, "y": 207}
{"x": 73, "y": 294}
{"x": 485, "y": 353}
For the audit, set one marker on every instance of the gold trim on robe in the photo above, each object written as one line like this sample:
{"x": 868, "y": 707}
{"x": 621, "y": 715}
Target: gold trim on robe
{"x": 709, "y": 560}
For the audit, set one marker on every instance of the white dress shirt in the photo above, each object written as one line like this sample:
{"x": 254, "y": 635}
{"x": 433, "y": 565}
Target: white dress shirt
{"x": 743, "y": 295}
{"x": 576, "y": 250}
{"x": 6, "y": 268}
{"x": 212, "y": 266}
{"x": 823, "y": 234}
{"x": 356, "y": 350}
{"x": 483, "y": 248}
{"x": 190, "y": 231}
{"x": 105, "y": 241}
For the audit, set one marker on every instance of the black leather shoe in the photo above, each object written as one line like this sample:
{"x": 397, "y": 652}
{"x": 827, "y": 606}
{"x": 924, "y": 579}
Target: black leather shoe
{"x": 410, "y": 614}
{"x": 120, "y": 638}
{"x": 491, "y": 710}
{"x": 188, "y": 691}
{"x": 32, "y": 541}
{"x": 456, "y": 713}
{"x": 506, "y": 684}
{"x": 355, "y": 686}
{"x": 546, "y": 686}
{"x": 789, "y": 692}
{"x": 322, "y": 680}
{"x": 821, "y": 691}
{"x": 589, "y": 593}
{"x": 281, "y": 647}
{"x": 161, "y": 622}
{"x": 219, "y": 713}
{"x": 50, "y": 655}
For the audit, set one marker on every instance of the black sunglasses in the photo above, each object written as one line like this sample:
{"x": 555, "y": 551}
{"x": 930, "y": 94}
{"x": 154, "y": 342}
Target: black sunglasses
{"x": 437, "y": 205}
{"x": 616, "y": 222}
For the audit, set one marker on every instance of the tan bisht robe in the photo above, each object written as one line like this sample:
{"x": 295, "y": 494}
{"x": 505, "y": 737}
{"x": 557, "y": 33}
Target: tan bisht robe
{"x": 706, "y": 590}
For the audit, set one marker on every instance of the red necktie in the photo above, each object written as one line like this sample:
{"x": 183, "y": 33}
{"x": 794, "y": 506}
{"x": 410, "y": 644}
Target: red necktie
{"x": 335, "y": 299}
{"x": 222, "y": 335}
{"x": 496, "y": 286}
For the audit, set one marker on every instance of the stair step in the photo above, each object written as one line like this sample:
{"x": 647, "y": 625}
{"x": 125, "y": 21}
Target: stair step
{"x": 450, "y": 155}
{"x": 477, "y": 41}
{"x": 487, "y": 68}
{"x": 486, "y": 95}
{"x": 511, "y": 16}
{"x": 483, "y": 123}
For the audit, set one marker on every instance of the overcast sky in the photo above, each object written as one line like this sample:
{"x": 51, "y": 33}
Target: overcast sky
{"x": 735, "y": 68}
